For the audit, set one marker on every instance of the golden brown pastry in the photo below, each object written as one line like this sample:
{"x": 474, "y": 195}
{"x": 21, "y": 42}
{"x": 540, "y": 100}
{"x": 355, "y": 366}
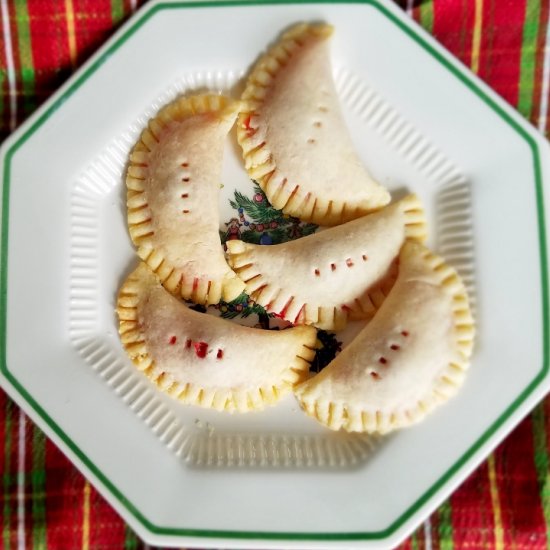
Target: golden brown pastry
{"x": 205, "y": 360}
{"x": 411, "y": 357}
{"x": 173, "y": 183}
{"x": 294, "y": 139}
{"x": 340, "y": 273}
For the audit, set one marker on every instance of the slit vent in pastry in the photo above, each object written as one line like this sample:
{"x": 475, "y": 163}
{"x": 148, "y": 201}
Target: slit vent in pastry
{"x": 204, "y": 360}
{"x": 173, "y": 182}
{"x": 339, "y": 273}
{"x": 410, "y": 358}
{"x": 294, "y": 139}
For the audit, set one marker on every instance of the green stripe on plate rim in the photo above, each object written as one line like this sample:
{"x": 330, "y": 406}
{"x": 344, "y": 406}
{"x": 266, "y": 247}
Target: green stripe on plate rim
{"x": 85, "y": 73}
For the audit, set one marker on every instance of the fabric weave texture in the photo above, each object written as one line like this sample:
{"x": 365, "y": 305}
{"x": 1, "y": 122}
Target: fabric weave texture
{"x": 46, "y": 503}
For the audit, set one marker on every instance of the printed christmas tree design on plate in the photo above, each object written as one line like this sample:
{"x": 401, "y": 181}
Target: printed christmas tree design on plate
{"x": 256, "y": 221}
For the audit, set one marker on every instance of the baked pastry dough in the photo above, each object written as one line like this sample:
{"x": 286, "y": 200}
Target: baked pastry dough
{"x": 408, "y": 359}
{"x": 325, "y": 278}
{"x": 205, "y": 360}
{"x": 173, "y": 182}
{"x": 293, "y": 136}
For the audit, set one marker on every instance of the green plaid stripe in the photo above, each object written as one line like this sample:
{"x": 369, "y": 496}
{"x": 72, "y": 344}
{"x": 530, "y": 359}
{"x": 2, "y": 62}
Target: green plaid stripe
{"x": 426, "y": 16}
{"x": 445, "y": 527}
{"x": 542, "y": 463}
{"x": 528, "y": 57}
{"x": 38, "y": 485}
{"x": 24, "y": 47}
{"x": 131, "y": 542}
{"x": 117, "y": 11}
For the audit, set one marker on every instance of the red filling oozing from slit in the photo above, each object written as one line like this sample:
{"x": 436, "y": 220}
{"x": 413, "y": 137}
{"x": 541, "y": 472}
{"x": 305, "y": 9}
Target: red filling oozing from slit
{"x": 282, "y": 313}
{"x": 188, "y": 343}
{"x": 219, "y": 355}
{"x": 300, "y": 314}
{"x": 173, "y": 340}
{"x": 404, "y": 333}
{"x": 250, "y": 131}
{"x": 201, "y": 348}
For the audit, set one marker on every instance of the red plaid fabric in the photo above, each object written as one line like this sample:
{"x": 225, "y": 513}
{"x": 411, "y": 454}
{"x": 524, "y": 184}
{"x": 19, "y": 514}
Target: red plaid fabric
{"x": 46, "y": 503}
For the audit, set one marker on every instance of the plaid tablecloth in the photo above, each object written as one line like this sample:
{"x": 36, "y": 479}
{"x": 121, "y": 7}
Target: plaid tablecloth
{"x": 46, "y": 503}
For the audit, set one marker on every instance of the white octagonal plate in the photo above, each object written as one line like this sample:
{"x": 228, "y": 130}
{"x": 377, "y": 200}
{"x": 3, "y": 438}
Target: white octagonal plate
{"x": 186, "y": 476}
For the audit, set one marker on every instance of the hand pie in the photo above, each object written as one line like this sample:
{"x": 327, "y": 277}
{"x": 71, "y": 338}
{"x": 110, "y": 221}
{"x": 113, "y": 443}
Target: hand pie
{"x": 204, "y": 360}
{"x": 293, "y": 136}
{"x": 173, "y": 182}
{"x": 342, "y": 272}
{"x": 408, "y": 359}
